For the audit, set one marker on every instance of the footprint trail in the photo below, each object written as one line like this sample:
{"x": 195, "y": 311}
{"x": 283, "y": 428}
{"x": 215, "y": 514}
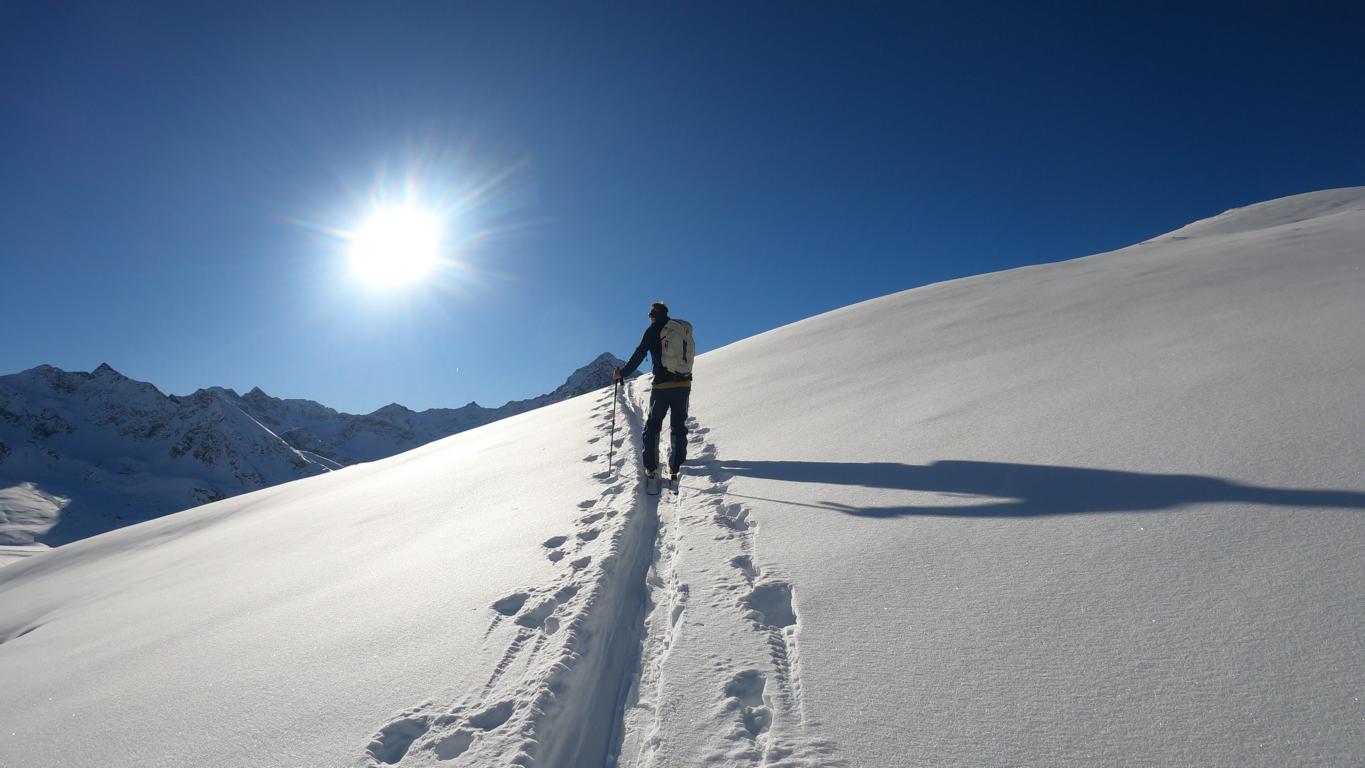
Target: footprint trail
{"x": 654, "y": 608}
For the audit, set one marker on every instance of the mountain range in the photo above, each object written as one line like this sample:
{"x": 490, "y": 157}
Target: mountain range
{"x": 82, "y": 453}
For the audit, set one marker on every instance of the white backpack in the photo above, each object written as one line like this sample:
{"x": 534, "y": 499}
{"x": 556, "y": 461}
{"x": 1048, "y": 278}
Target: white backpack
{"x": 678, "y": 347}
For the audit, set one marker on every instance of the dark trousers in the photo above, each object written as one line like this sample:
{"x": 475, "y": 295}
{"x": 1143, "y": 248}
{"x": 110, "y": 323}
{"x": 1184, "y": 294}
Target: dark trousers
{"x": 667, "y": 401}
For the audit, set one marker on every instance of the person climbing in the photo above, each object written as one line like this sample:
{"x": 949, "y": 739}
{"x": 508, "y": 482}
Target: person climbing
{"x": 669, "y": 342}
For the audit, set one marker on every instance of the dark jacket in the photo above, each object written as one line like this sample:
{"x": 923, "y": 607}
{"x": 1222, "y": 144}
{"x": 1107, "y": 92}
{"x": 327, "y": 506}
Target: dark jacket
{"x": 651, "y": 344}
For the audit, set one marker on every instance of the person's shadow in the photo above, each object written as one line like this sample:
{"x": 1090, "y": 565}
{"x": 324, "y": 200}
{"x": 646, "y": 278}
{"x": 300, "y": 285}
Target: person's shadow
{"x": 1026, "y": 490}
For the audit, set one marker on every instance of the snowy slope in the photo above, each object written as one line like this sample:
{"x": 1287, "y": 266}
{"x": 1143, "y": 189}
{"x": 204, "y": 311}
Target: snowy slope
{"x": 1104, "y": 512}
{"x": 82, "y": 453}
{"x": 1108, "y": 511}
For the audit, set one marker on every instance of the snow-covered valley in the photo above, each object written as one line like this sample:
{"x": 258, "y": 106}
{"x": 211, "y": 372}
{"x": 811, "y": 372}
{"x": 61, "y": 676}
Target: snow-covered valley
{"x": 1109, "y": 511}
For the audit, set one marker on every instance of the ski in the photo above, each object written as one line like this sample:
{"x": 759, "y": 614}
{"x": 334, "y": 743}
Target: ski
{"x": 651, "y": 484}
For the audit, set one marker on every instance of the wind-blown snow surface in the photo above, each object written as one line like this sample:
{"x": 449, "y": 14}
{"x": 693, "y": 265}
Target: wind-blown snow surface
{"x": 1102, "y": 512}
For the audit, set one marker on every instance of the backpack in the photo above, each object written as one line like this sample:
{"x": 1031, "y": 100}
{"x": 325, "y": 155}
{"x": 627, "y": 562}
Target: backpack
{"x": 678, "y": 348}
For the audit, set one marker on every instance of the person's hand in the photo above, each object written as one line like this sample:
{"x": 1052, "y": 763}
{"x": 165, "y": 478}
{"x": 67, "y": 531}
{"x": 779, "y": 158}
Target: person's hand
{"x": 616, "y": 375}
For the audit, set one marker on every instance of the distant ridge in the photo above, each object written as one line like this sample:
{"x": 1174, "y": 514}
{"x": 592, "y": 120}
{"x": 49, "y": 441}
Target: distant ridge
{"x": 83, "y": 453}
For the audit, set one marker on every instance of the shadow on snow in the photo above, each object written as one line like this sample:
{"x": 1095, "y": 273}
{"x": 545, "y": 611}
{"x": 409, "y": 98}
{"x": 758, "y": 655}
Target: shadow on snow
{"x": 1024, "y": 490}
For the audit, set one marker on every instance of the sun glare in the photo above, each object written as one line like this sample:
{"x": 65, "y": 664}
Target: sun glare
{"x": 396, "y": 246}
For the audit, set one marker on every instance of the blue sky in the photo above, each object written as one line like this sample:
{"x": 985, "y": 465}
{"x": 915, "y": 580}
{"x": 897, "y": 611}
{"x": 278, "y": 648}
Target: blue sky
{"x": 171, "y": 173}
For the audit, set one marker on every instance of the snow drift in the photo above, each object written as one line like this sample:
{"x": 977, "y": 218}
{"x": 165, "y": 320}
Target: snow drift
{"x": 1101, "y": 512}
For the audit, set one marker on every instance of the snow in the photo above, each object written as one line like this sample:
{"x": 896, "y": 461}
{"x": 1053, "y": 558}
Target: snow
{"x": 27, "y": 512}
{"x": 283, "y": 626}
{"x": 118, "y": 451}
{"x": 14, "y": 553}
{"x": 1099, "y": 512}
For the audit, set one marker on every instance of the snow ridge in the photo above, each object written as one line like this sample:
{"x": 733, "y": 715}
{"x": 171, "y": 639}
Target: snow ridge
{"x": 1287, "y": 211}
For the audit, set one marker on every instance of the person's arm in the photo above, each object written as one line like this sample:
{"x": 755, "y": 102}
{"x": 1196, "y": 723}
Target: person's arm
{"x": 640, "y": 353}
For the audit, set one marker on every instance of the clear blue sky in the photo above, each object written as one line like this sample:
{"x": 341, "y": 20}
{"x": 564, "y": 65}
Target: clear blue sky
{"x": 169, "y": 169}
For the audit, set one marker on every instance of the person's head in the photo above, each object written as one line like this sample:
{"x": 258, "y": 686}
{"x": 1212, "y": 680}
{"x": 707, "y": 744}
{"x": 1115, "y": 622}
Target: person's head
{"x": 658, "y": 311}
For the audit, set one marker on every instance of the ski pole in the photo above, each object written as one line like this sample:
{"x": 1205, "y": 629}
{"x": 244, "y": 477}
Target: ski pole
{"x": 611, "y": 441}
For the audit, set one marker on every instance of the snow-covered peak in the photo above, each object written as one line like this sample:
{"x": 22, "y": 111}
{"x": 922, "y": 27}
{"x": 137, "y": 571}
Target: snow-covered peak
{"x": 592, "y": 376}
{"x": 213, "y": 393}
{"x": 104, "y": 384}
{"x": 106, "y": 371}
{"x": 392, "y": 409}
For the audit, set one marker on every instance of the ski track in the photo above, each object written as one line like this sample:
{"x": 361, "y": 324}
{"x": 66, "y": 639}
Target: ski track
{"x": 707, "y": 590}
{"x": 585, "y": 663}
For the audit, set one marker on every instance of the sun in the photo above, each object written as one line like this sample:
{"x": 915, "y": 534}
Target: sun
{"x": 396, "y": 246}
